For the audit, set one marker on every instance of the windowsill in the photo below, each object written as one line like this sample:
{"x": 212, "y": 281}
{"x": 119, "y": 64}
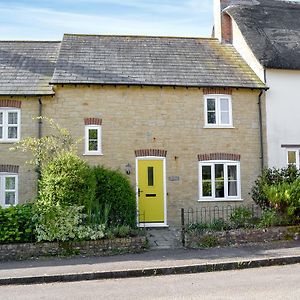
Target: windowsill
{"x": 93, "y": 154}
{"x": 219, "y": 200}
{"x": 9, "y": 141}
{"x": 218, "y": 127}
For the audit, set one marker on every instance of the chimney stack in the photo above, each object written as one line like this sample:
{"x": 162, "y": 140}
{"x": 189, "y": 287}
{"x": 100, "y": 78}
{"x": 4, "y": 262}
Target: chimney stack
{"x": 222, "y": 22}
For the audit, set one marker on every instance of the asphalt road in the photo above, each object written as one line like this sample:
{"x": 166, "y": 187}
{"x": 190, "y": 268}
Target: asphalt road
{"x": 264, "y": 283}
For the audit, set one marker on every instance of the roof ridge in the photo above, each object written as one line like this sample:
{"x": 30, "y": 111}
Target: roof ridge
{"x": 138, "y": 36}
{"x": 28, "y": 41}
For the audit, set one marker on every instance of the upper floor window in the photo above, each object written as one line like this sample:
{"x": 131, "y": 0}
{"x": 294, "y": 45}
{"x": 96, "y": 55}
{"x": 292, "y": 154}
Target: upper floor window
{"x": 293, "y": 157}
{"x": 93, "y": 140}
{"x": 219, "y": 180}
{"x": 8, "y": 189}
{"x": 9, "y": 125}
{"x": 218, "y": 111}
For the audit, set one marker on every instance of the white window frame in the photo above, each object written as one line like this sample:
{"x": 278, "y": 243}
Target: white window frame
{"x": 99, "y": 140}
{"x": 225, "y": 163}
{"x": 217, "y": 99}
{"x": 3, "y": 177}
{"x": 5, "y": 124}
{"x": 297, "y": 150}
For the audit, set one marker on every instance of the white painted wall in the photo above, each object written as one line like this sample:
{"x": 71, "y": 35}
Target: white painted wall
{"x": 242, "y": 47}
{"x": 283, "y": 113}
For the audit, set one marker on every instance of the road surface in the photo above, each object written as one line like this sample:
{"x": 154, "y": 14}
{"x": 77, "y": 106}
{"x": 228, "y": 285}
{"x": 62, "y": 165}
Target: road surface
{"x": 264, "y": 283}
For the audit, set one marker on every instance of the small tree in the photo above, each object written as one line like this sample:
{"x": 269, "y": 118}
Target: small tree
{"x": 46, "y": 148}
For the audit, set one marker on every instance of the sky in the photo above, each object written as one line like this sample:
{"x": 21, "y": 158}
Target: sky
{"x": 49, "y": 19}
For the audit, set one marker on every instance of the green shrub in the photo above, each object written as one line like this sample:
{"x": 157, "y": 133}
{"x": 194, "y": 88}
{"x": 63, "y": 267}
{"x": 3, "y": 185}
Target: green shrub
{"x": 17, "y": 224}
{"x": 270, "y": 217}
{"x": 271, "y": 177}
{"x": 65, "y": 181}
{"x": 285, "y": 198}
{"x": 113, "y": 190}
{"x": 64, "y": 223}
{"x": 219, "y": 225}
{"x": 241, "y": 217}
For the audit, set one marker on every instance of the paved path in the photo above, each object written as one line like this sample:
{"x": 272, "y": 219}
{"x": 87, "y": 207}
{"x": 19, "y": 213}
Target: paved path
{"x": 274, "y": 283}
{"x": 165, "y": 258}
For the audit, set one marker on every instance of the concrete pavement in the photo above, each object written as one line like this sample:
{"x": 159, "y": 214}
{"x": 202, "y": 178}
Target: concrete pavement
{"x": 155, "y": 262}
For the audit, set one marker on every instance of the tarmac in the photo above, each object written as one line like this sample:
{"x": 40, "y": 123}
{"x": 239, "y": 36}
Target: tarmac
{"x": 150, "y": 263}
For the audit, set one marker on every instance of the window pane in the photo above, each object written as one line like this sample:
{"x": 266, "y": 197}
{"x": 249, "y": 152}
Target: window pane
{"x": 12, "y": 118}
{"x": 10, "y": 198}
{"x": 93, "y": 145}
{"x": 206, "y": 181}
{"x": 150, "y": 176}
{"x": 211, "y": 118}
{"x": 93, "y": 134}
{"x": 219, "y": 171}
{"x": 224, "y": 117}
{"x": 219, "y": 180}
{"x": 12, "y": 132}
{"x": 10, "y": 183}
{"x": 211, "y": 104}
{"x": 292, "y": 157}
{"x": 206, "y": 172}
{"x": 224, "y": 104}
{"x": 232, "y": 173}
{"x": 1, "y": 132}
{"x": 232, "y": 188}
{"x": 1, "y": 117}
{"x": 206, "y": 188}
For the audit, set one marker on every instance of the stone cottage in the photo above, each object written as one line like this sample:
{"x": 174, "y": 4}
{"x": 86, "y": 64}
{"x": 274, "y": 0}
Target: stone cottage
{"x": 179, "y": 116}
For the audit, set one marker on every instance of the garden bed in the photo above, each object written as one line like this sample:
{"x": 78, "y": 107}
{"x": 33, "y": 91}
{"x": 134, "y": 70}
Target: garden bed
{"x": 85, "y": 248}
{"x": 209, "y": 238}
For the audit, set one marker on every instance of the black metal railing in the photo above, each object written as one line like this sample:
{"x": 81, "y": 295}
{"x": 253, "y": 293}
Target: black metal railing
{"x": 208, "y": 215}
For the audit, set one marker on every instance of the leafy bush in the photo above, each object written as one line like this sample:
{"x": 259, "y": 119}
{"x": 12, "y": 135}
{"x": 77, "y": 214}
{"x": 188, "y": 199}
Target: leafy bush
{"x": 64, "y": 223}
{"x": 122, "y": 231}
{"x": 16, "y": 224}
{"x": 271, "y": 177}
{"x": 241, "y": 217}
{"x": 113, "y": 190}
{"x": 270, "y": 217}
{"x": 285, "y": 198}
{"x": 65, "y": 181}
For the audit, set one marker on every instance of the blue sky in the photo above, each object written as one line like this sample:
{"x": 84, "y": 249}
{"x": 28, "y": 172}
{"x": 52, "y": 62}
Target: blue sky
{"x": 49, "y": 19}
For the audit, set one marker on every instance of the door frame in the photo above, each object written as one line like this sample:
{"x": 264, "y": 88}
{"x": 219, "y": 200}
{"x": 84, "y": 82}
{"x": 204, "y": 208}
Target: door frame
{"x": 164, "y": 224}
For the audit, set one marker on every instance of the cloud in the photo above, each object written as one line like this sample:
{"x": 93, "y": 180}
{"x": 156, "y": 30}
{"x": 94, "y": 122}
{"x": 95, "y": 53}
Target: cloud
{"x": 47, "y": 23}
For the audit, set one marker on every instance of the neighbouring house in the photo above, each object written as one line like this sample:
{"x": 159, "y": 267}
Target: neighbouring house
{"x": 179, "y": 116}
{"x": 267, "y": 35}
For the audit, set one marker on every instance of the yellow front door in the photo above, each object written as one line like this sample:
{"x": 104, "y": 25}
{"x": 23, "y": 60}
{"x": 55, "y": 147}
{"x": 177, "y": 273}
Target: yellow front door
{"x": 151, "y": 202}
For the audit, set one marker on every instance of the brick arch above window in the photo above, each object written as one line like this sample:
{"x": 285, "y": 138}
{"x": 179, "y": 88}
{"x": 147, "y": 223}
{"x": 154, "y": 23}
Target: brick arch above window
{"x": 218, "y": 91}
{"x": 9, "y": 169}
{"x": 92, "y": 121}
{"x": 150, "y": 152}
{"x": 219, "y": 156}
{"x": 10, "y": 103}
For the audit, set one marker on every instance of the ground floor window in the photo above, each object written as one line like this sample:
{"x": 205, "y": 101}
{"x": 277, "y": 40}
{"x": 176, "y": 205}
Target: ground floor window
{"x": 293, "y": 157}
{"x": 219, "y": 180}
{"x": 8, "y": 189}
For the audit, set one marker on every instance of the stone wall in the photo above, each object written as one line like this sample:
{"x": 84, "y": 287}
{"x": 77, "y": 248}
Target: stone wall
{"x": 87, "y": 248}
{"x": 133, "y": 118}
{"x": 170, "y": 119}
{"x": 206, "y": 239}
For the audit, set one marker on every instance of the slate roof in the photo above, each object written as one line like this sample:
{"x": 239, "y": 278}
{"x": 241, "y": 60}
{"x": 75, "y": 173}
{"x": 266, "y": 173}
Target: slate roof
{"x": 26, "y": 68}
{"x": 163, "y": 61}
{"x": 271, "y": 29}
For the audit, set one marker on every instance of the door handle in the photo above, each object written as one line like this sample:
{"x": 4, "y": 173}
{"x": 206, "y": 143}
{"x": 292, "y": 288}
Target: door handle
{"x": 139, "y": 192}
